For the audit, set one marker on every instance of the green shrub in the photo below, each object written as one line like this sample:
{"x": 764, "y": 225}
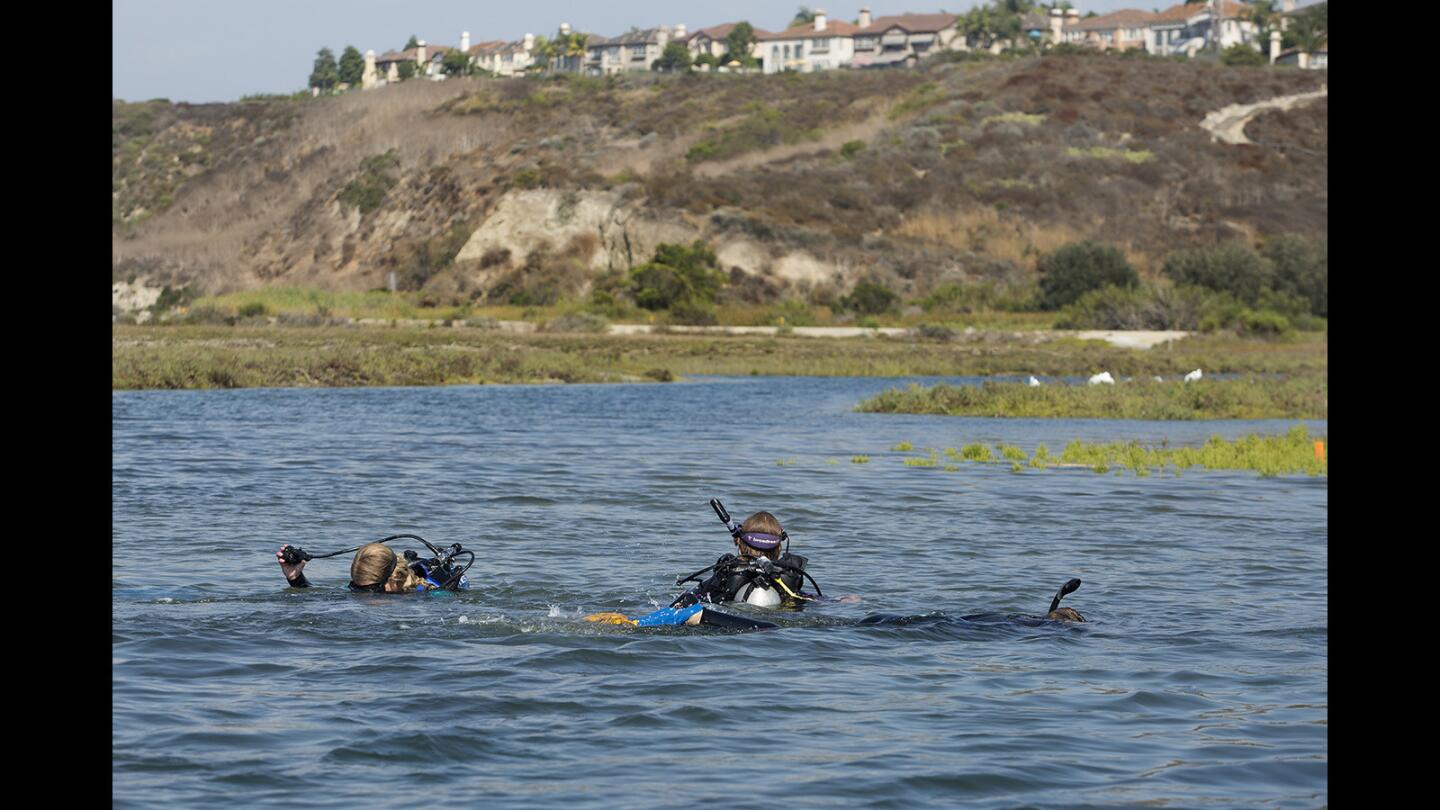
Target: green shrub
{"x": 675, "y": 59}
{"x": 577, "y": 322}
{"x": 1264, "y": 323}
{"x": 208, "y": 316}
{"x": 1078, "y": 268}
{"x": 1232, "y": 268}
{"x": 851, "y": 148}
{"x": 691, "y": 312}
{"x": 1239, "y": 54}
{"x": 171, "y": 297}
{"x": 676, "y": 273}
{"x": 527, "y": 179}
{"x": 980, "y": 297}
{"x": 367, "y": 191}
{"x": 925, "y": 331}
{"x": 1301, "y": 267}
{"x": 869, "y": 298}
{"x": 254, "y": 309}
{"x": 1145, "y": 307}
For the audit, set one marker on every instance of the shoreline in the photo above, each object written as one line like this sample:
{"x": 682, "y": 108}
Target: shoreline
{"x": 1132, "y": 339}
{"x": 171, "y": 357}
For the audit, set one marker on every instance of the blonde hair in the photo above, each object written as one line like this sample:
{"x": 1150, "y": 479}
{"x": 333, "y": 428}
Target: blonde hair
{"x": 764, "y": 523}
{"x": 371, "y": 563}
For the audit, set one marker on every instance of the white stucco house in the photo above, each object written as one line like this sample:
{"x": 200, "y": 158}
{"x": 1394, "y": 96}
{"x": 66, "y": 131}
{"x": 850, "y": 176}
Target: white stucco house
{"x": 822, "y": 44}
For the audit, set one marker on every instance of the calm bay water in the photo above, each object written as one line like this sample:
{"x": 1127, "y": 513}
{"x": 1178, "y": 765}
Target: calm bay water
{"x": 1200, "y": 680}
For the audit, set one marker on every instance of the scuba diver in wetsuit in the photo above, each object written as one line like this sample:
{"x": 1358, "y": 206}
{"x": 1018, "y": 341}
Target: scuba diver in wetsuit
{"x": 1055, "y": 614}
{"x": 378, "y": 569}
{"x": 757, "y": 574}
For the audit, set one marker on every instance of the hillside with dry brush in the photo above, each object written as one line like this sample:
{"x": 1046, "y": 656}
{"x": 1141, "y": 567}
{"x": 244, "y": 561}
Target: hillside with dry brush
{"x": 480, "y": 189}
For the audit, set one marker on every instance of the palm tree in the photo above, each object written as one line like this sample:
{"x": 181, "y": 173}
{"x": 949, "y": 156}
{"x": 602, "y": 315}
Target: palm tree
{"x": 979, "y": 27}
{"x": 1310, "y": 30}
{"x": 543, "y": 50}
{"x": 572, "y": 46}
{"x": 1265, "y": 15}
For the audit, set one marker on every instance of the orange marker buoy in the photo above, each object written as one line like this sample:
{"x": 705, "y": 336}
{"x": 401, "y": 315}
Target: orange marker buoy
{"x": 1320, "y": 451}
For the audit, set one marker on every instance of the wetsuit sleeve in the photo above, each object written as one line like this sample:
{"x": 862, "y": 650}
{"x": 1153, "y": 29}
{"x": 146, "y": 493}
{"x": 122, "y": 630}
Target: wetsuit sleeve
{"x": 708, "y": 588}
{"x": 299, "y": 581}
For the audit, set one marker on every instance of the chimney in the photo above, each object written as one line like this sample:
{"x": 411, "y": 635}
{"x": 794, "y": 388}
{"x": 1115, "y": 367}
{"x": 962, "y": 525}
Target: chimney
{"x": 465, "y": 41}
{"x": 1072, "y": 15}
{"x": 819, "y": 19}
{"x": 679, "y": 31}
{"x": 529, "y": 42}
{"x": 865, "y": 17}
{"x": 1057, "y": 22}
{"x": 1287, "y": 6}
{"x": 564, "y": 29}
{"x": 1274, "y": 46}
{"x": 367, "y": 79}
{"x": 420, "y": 52}
{"x": 662, "y": 36}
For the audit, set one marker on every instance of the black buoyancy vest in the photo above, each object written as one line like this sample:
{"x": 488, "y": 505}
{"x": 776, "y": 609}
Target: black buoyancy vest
{"x": 729, "y": 579}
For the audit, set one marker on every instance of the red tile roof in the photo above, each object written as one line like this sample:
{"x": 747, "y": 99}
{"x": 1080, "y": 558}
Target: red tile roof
{"x": 1124, "y": 18}
{"x": 713, "y": 32}
{"x": 1177, "y": 14}
{"x": 489, "y": 46}
{"x": 912, "y": 23}
{"x": 833, "y": 28}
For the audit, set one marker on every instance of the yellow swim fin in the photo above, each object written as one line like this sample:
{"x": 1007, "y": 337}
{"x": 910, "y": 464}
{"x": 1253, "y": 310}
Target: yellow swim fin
{"x": 610, "y": 618}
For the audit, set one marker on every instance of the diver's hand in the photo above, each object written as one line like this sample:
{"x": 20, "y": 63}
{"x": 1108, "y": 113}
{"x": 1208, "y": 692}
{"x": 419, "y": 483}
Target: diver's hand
{"x": 293, "y": 573}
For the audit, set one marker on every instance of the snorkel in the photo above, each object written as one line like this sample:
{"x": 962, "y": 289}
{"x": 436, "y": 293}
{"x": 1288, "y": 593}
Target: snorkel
{"x": 440, "y": 571}
{"x": 1067, "y": 588}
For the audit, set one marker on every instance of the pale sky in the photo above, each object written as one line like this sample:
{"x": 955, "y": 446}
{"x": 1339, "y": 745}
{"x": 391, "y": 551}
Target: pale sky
{"x": 220, "y": 50}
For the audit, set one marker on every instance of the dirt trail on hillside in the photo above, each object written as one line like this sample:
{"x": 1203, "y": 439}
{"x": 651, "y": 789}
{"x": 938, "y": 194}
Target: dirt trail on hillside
{"x": 863, "y": 130}
{"x": 1227, "y": 124}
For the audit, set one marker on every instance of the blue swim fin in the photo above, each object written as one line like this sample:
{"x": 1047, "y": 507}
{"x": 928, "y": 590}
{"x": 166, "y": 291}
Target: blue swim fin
{"x": 669, "y": 616}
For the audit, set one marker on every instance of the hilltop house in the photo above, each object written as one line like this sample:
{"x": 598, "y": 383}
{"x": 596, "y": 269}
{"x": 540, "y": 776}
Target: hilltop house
{"x": 1189, "y": 28}
{"x": 1318, "y": 59}
{"x": 1233, "y": 29}
{"x": 822, "y": 44}
{"x": 1119, "y": 30}
{"x": 712, "y": 41}
{"x": 1168, "y": 30}
{"x": 903, "y": 39}
{"x": 707, "y": 41}
{"x": 512, "y": 58}
{"x": 632, "y": 50}
{"x": 573, "y": 63}
{"x": 427, "y": 59}
{"x": 482, "y": 54}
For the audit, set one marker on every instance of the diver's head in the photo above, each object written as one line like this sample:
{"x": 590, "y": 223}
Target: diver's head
{"x": 760, "y": 536}
{"x": 377, "y": 568}
{"x": 1065, "y": 614}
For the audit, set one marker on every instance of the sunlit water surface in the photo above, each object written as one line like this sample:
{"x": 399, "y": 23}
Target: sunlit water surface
{"x": 1200, "y": 680}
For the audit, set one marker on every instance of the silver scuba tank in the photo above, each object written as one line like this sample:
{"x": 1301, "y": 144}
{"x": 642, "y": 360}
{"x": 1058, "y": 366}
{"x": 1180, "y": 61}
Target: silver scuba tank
{"x": 760, "y": 597}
